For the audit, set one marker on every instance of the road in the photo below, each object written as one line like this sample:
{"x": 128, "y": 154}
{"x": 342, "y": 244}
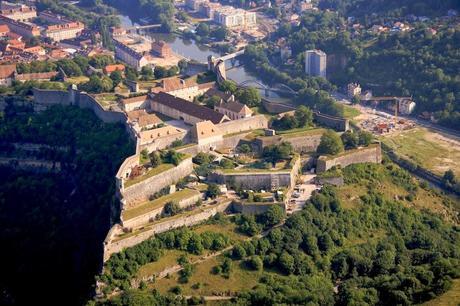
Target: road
{"x": 305, "y": 191}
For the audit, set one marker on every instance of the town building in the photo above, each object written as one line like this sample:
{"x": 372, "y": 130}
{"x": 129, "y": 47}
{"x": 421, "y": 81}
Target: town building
{"x": 233, "y": 109}
{"x": 353, "y": 89}
{"x": 64, "y": 31}
{"x": 406, "y": 107}
{"x": 231, "y": 17}
{"x": 114, "y": 67}
{"x": 21, "y": 28}
{"x": 185, "y": 89}
{"x": 195, "y": 5}
{"x": 206, "y": 132}
{"x": 315, "y": 63}
{"x": 181, "y": 109}
{"x": 38, "y": 76}
{"x": 141, "y": 120}
{"x": 161, "y": 49}
{"x": 7, "y": 74}
{"x": 130, "y": 104}
{"x": 18, "y": 12}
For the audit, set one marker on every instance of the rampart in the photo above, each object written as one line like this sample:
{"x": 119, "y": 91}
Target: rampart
{"x": 371, "y": 154}
{"x": 141, "y": 191}
{"x": 46, "y": 98}
{"x": 301, "y": 142}
{"x": 241, "y": 125}
{"x": 151, "y": 215}
{"x": 113, "y": 245}
{"x": 258, "y": 180}
{"x": 337, "y": 123}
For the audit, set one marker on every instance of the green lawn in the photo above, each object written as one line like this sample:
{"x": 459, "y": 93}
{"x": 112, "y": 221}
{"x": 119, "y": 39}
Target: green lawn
{"x": 157, "y": 203}
{"x": 306, "y": 131}
{"x": 152, "y": 172}
{"x": 350, "y": 112}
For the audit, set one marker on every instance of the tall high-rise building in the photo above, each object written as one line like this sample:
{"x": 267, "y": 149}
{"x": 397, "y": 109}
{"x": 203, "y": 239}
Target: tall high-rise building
{"x": 315, "y": 63}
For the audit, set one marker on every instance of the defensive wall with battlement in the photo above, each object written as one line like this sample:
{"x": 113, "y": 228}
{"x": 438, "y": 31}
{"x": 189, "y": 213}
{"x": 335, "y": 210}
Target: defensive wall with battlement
{"x": 370, "y": 154}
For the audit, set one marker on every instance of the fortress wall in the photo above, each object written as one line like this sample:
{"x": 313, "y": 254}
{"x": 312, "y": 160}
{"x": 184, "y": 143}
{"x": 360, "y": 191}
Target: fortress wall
{"x": 151, "y": 215}
{"x": 371, "y": 154}
{"x": 140, "y": 192}
{"x": 111, "y": 247}
{"x": 254, "y": 208}
{"x": 251, "y": 180}
{"x": 336, "y": 123}
{"x": 46, "y": 98}
{"x": 162, "y": 143}
{"x": 276, "y": 108}
{"x": 301, "y": 144}
{"x": 108, "y": 116}
{"x": 245, "y": 124}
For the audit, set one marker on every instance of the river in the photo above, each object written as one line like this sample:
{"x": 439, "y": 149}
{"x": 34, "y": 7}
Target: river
{"x": 200, "y": 53}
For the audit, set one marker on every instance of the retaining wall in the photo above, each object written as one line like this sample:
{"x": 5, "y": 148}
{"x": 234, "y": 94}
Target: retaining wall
{"x": 241, "y": 125}
{"x": 371, "y": 154}
{"x": 259, "y": 180}
{"x": 111, "y": 247}
{"x": 301, "y": 144}
{"x": 141, "y": 191}
{"x": 151, "y": 215}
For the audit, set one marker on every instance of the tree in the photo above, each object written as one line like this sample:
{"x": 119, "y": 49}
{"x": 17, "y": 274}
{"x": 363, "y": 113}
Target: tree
{"x": 212, "y": 101}
{"x": 160, "y": 72}
{"x": 274, "y": 215}
{"x": 202, "y": 30}
{"x": 249, "y": 96}
{"x": 350, "y": 140}
{"x": 155, "y": 159}
{"x": 330, "y": 143}
{"x": 183, "y": 65}
{"x": 213, "y": 191}
{"x": 147, "y": 73}
{"x": 228, "y": 86}
{"x": 365, "y": 138}
{"x": 245, "y": 148}
{"x": 116, "y": 77}
{"x": 275, "y": 153}
{"x": 220, "y": 33}
{"x": 171, "y": 209}
{"x": 355, "y": 100}
{"x": 255, "y": 263}
{"x": 227, "y": 164}
{"x": 304, "y": 116}
{"x": 286, "y": 262}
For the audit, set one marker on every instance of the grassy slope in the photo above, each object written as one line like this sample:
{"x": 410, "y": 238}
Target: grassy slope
{"x": 428, "y": 149}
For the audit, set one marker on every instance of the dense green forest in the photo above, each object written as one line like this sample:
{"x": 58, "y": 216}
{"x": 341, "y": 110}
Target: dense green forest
{"x": 53, "y": 225}
{"x": 394, "y": 8}
{"x": 381, "y": 253}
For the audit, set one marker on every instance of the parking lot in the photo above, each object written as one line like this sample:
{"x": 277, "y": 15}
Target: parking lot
{"x": 302, "y": 192}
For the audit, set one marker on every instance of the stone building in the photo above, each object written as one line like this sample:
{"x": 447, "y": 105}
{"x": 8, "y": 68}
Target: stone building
{"x": 19, "y": 12}
{"x": 315, "y": 63}
{"x": 21, "y": 28}
{"x": 64, "y": 31}
{"x": 7, "y": 74}
{"x": 181, "y": 109}
{"x": 130, "y": 104}
{"x": 161, "y": 49}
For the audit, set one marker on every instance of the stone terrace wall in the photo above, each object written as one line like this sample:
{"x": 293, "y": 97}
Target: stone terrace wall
{"x": 246, "y": 124}
{"x": 111, "y": 247}
{"x": 259, "y": 180}
{"x": 141, "y": 191}
{"x": 301, "y": 144}
{"x": 146, "y": 218}
{"x": 276, "y": 108}
{"x": 371, "y": 154}
{"x": 337, "y": 123}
